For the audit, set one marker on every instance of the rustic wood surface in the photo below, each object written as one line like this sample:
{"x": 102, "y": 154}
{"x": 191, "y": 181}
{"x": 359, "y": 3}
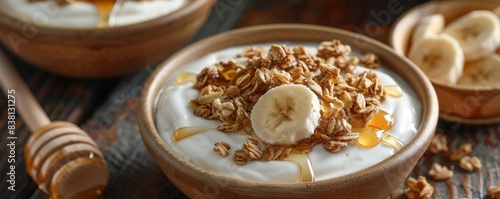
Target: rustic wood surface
{"x": 134, "y": 174}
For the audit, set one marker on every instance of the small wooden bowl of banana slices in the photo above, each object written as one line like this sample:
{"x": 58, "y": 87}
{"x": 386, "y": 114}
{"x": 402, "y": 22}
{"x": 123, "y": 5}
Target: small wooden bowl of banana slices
{"x": 457, "y": 45}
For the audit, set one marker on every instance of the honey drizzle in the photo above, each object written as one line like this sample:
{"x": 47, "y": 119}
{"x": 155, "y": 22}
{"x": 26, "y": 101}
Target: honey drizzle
{"x": 374, "y": 133}
{"x": 106, "y": 10}
{"x": 302, "y": 160}
{"x": 394, "y": 91}
{"x": 185, "y": 77}
{"x": 184, "y": 132}
{"x": 392, "y": 141}
{"x": 369, "y": 136}
{"x": 306, "y": 173}
{"x": 382, "y": 120}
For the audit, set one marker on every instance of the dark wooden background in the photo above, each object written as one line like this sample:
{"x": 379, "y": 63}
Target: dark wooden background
{"x": 105, "y": 108}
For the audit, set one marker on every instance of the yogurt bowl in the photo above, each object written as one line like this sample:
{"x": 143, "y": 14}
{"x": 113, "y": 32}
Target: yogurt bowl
{"x": 67, "y": 40}
{"x": 354, "y": 172}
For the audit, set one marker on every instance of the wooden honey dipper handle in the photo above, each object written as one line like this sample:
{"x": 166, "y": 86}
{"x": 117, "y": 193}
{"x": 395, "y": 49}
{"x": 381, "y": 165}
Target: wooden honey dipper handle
{"x": 26, "y": 104}
{"x": 60, "y": 157}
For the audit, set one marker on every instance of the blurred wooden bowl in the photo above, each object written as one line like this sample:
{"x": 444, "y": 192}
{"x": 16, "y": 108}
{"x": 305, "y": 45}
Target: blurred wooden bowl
{"x": 458, "y": 103}
{"x": 377, "y": 181}
{"x": 103, "y": 52}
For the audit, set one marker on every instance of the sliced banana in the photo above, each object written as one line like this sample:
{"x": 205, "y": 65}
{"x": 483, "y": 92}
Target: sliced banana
{"x": 440, "y": 57}
{"x": 286, "y": 114}
{"x": 429, "y": 25}
{"x": 483, "y": 73}
{"x": 477, "y": 32}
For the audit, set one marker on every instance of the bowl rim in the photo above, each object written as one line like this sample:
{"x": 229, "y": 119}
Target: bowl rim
{"x": 162, "y": 20}
{"x": 427, "y": 6}
{"x": 160, "y": 150}
{"x": 438, "y": 84}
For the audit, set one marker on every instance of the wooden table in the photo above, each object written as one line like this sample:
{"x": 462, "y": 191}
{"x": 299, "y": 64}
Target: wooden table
{"x": 106, "y": 110}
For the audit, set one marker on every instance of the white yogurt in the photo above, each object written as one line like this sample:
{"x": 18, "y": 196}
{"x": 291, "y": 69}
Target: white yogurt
{"x": 173, "y": 112}
{"x": 82, "y": 14}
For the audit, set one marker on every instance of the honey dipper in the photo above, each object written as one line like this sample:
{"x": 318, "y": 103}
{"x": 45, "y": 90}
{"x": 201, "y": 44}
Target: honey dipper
{"x": 60, "y": 157}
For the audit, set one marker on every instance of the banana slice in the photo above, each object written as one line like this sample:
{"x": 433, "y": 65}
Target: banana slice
{"x": 286, "y": 114}
{"x": 477, "y": 32}
{"x": 440, "y": 57}
{"x": 429, "y": 25}
{"x": 484, "y": 73}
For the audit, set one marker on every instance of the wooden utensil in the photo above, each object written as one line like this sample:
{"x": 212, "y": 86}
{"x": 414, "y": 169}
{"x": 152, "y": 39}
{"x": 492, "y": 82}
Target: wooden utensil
{"x": 60, "y": 157}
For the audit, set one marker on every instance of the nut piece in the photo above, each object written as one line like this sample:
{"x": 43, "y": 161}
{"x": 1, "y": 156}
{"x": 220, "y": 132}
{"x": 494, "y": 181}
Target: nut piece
{"x": 462, "y": 151}
{"x": 222, "y": 148}
{"x": 494, "y": 192}
{"x": 418, "y": 189}
{"x": 470, "y": 163}
{"x": 438, "y": 143}
{"x": 439, "y": 172}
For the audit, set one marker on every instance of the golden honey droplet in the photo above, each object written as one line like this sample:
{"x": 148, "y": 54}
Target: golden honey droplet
{"x": 304, "y": 163}
{"x": 369, "y": 136}
{"x": 185, "y": 77}
{"x": 394, "y": 91}
{"x": 184, "y": 132}
{"x": 374, "y": 132}
{"x": 105, "y": 10}
{"x": 382, "y": 120}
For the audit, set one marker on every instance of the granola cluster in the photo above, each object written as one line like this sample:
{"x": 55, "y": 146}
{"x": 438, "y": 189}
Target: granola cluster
{"x": 494, "y": 192}
{"x": 229, "y": 90}
{"x": 439, "y": 172}
{"x": 417, "y": 188}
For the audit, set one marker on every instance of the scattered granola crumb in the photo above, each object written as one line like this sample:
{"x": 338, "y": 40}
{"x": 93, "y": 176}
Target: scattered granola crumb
{"x": 222, "y": 148}
{"x": 462, "y": 151}
{"x": 470, "y": 163}
{"x": 251, "y": 52}
{"x": 439, "y": 172}
{"x": 438, "y": 143}
{"x": 418, "y": 188}
{"x": 494, "y": 192}
{"x": 370, "y": 60}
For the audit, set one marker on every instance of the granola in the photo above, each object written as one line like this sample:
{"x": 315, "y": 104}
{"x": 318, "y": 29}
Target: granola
{"x": 222, "y": 148}
{"x": 439, "y": 172}
{"x": 470, "y": 163}
{"x": 494, "y": 192}
{"x": 418, "y": 188}
{"x": 438, "y": 143}
{"x": 370, "y": 60}
{"x": 462, "y": 151}
{"x": 229, "y": 90}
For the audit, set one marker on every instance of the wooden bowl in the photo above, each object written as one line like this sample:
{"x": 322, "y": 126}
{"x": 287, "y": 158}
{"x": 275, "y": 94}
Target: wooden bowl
{"x": 457, "y": 103}
{"x": 374, "y": 182}
{"x": 103, "y": 52}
